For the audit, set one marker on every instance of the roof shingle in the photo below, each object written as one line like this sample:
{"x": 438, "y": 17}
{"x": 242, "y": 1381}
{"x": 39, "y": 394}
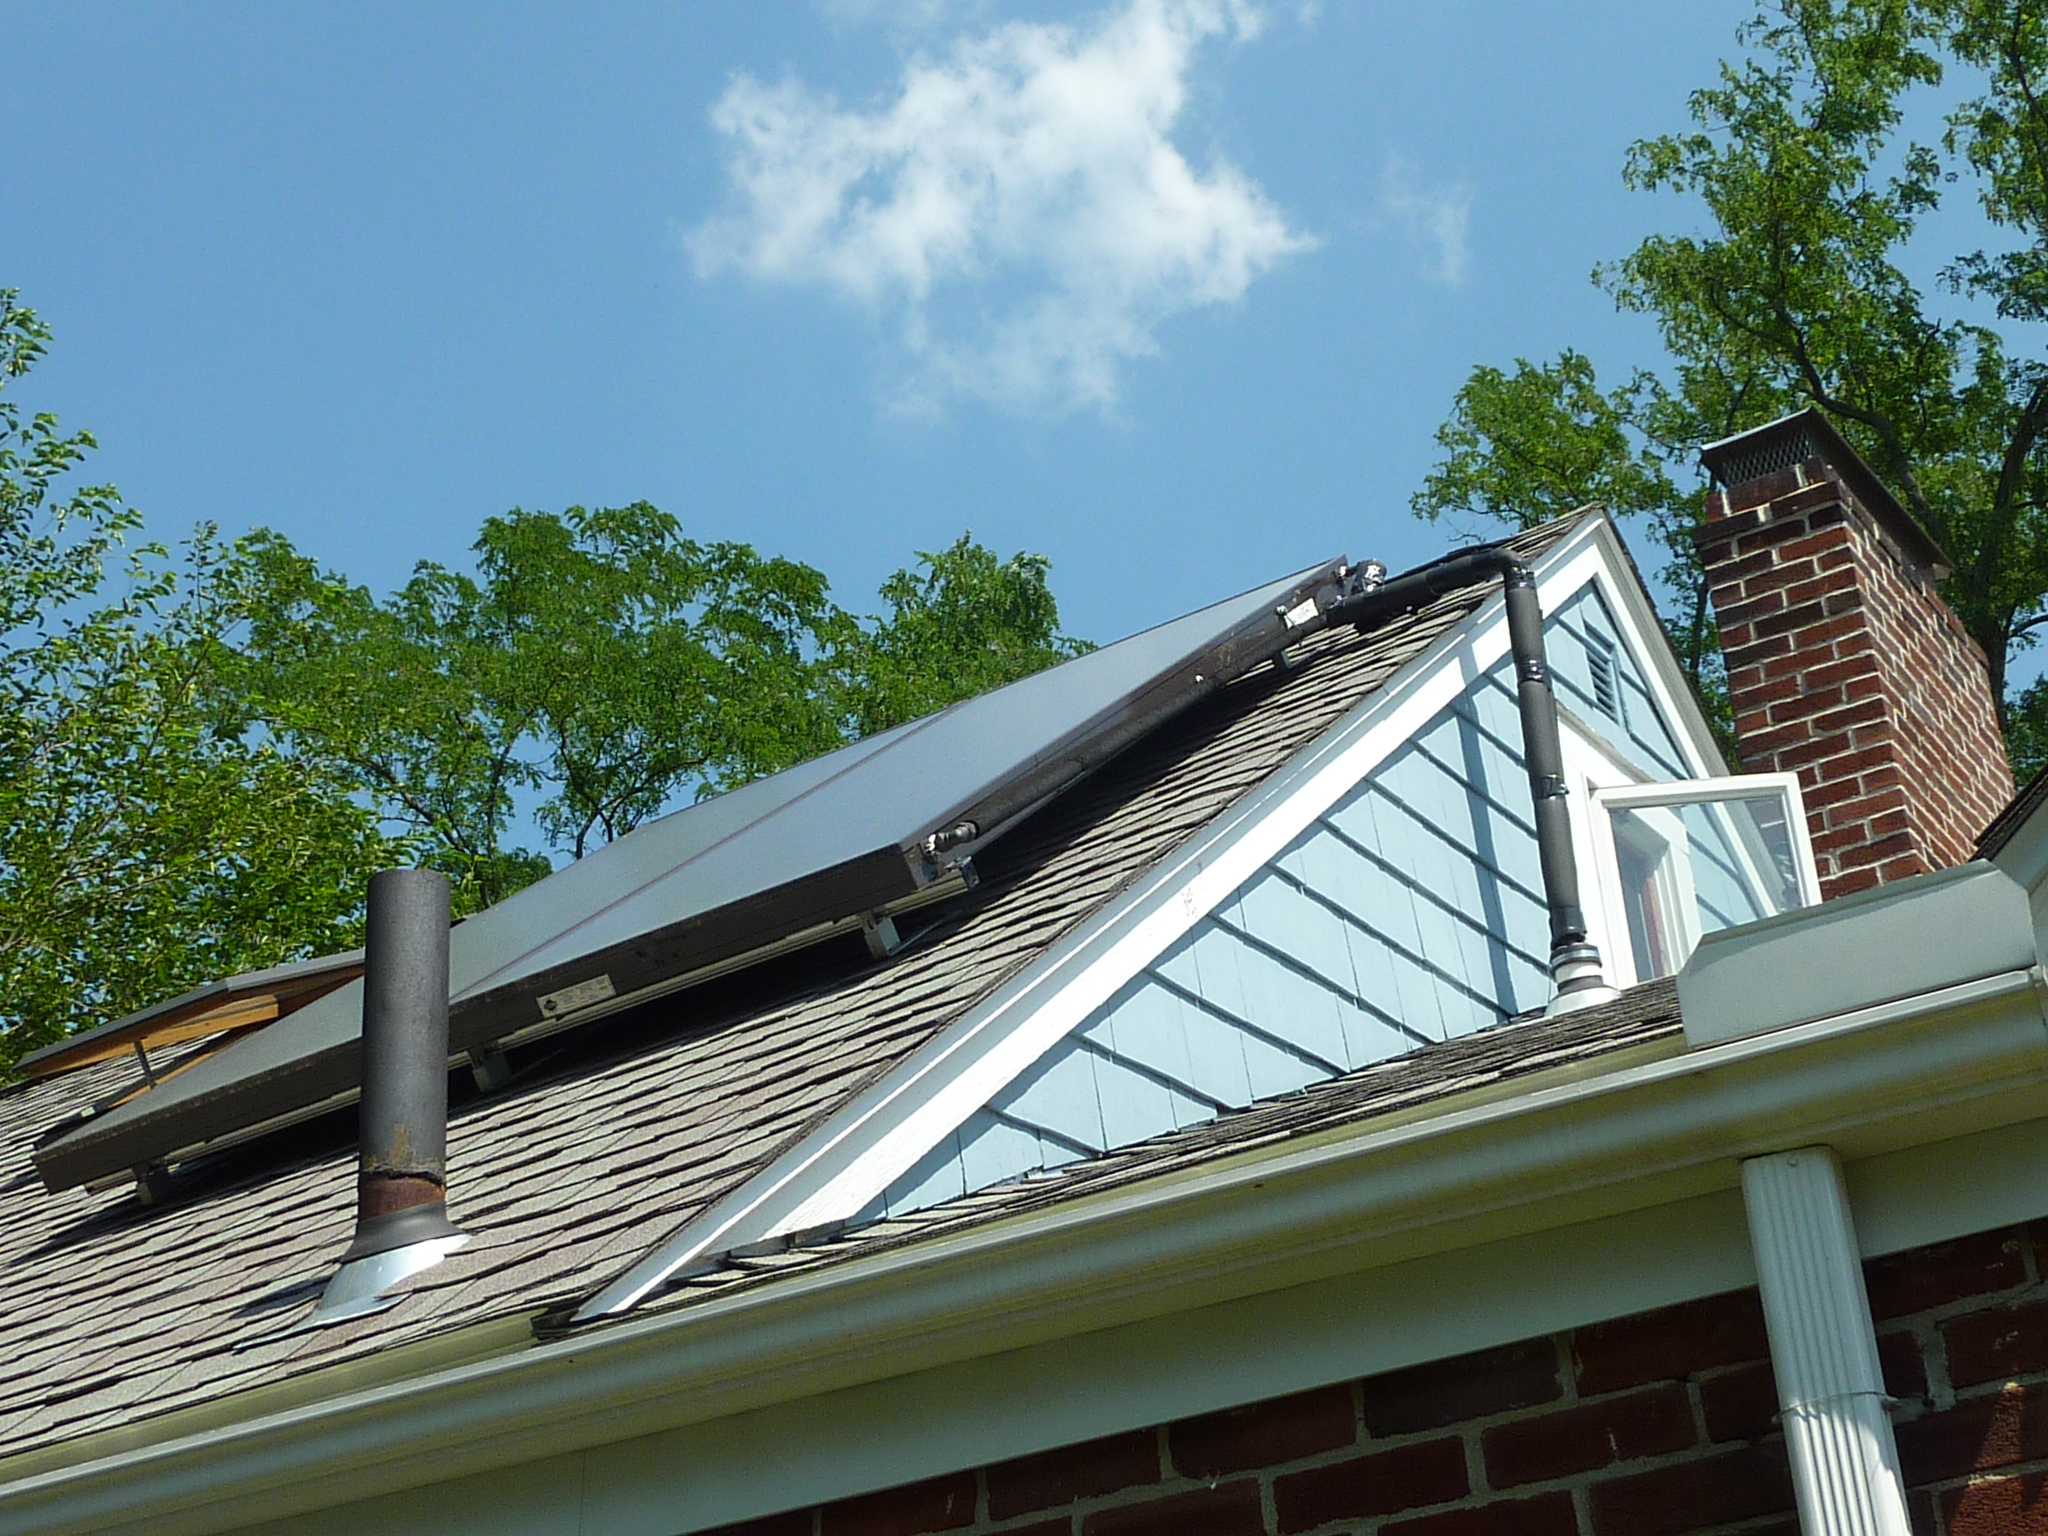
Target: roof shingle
{"x": 615, "y": 1137}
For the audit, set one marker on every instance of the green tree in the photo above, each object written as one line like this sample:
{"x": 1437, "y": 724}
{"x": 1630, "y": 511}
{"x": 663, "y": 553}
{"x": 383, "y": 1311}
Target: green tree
{"x": 598, "y": 663}
{"x": 204, "y": 756}
{"x": 963, "y": 622}
{"x": 1799, "y": 292}
{"x": 1535, "y": 444}
{"x": 146, "y": 842}
{"x": 599, "y": 667}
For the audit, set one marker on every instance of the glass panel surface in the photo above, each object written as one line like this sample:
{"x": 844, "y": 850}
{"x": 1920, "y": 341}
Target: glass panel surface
{"x": 1693, "y": 869}
{"x": 865, "y": 800}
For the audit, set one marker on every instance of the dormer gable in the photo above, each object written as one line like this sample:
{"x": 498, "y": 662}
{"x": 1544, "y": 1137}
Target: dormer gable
{"x": 1375, "y": 894}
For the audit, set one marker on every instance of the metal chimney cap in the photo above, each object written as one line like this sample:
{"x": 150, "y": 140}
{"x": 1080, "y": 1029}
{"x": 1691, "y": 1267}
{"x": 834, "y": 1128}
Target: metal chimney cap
{"x": 1808, "y": 434}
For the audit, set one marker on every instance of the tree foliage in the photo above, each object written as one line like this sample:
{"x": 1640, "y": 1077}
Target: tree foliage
{"x": 1535, "y": 444}
{"x": 963, "y": 622}
{"x": 596, "y": 664}
{"x": 205, "y": 754}
{"x": 598, "y": 667}
{"x": 146, "y": 843}
{"x": 1800, "y": 290}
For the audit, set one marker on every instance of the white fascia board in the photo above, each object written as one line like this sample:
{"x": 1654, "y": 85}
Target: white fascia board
{"x": 1151, "y": 1371}
{"x": 2025, "y": 858}
{"x": 1884, "y": 1080}
{"x": 869, "y": 1143}
{"x": 888, "y": 1433}
{"x": 2025, "y": 854}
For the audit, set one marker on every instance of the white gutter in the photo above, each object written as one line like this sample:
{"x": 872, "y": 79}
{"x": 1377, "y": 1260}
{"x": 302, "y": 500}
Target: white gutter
{"x": 1901, "y": 1074}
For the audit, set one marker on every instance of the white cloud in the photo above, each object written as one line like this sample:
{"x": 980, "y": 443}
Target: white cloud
{"x": 1431, "y": 219}
{"x": 903, "y": 16}
{"x": 1017, "y": 211}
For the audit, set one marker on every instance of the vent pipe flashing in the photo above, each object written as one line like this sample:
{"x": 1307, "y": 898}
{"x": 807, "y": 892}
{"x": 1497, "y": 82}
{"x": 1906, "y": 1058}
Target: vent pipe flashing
{"x": 402, "y": 1221}
{"x": 1371, "y": 601}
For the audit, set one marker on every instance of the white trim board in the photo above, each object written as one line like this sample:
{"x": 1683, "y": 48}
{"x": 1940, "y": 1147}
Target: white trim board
{"x": 886, "y": 1433}
{"x": 1631, "y": 604}
{"x": 990, "y": 1408}
{"x": 886, "y": 1130}
{"x": 1891, "y": 1085}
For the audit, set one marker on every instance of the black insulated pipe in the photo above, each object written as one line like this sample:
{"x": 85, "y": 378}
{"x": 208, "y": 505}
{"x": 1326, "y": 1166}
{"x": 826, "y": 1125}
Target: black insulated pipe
{"x": 402, "y": 1171}
{"x": 1574, "y": 961}
{"x": 1545, "y": 757}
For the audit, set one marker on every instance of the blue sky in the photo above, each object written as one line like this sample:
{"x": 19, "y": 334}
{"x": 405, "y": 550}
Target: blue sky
{"x": 1172, "y": 291}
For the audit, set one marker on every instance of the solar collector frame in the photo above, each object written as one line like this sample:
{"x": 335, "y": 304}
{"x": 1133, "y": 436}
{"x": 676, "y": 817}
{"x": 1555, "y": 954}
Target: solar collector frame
{"x": 782, "y": 861}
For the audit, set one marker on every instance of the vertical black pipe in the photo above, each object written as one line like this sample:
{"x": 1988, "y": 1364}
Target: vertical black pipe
{"x": 1574, "y": 962}
{"x": 1544, "y": 757}
{"x": 402, "y": 1171}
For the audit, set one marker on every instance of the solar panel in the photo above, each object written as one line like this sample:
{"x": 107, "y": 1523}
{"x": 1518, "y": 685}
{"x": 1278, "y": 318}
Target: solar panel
{"x": 214, "y": 1007}
{"x": 874, "y": 826}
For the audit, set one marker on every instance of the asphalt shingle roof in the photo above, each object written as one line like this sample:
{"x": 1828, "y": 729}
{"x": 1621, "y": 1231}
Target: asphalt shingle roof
{"x": 2006, "y": 824}
{"x": 118, "y": 1310}
{"x": 1644, "y": 1016}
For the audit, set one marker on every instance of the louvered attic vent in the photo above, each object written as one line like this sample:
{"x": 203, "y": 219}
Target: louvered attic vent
{"x": 1606, "y": 691}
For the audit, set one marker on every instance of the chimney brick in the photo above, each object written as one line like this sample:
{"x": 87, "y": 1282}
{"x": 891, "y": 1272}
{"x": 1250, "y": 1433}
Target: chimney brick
{"x": 1844, "y": 664}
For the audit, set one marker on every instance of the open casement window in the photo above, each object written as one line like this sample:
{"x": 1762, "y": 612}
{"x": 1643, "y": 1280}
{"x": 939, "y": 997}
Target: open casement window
{"x": 1676, "y": 861}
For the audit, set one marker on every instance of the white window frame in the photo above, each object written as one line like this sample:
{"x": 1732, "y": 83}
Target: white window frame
{"x": 1616, "y": 950}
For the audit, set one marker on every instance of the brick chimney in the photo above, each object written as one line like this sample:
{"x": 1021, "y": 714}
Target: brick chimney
{"x": 1844, "y": 664}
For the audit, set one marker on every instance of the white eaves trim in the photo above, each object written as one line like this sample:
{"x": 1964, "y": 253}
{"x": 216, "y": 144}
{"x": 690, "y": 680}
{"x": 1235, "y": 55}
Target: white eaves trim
{"x": 1890, "y": 1079}
{"x": 862, "y": 1149}
{"x": 2025, "y": 857}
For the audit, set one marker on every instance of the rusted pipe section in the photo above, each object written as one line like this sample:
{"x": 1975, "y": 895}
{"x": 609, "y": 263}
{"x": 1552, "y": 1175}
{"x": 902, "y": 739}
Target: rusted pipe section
{"x": 402, "y": 1169}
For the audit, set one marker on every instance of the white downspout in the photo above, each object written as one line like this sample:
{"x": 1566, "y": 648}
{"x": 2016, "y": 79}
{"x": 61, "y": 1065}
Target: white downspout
{"x": 1845, "y": 1463}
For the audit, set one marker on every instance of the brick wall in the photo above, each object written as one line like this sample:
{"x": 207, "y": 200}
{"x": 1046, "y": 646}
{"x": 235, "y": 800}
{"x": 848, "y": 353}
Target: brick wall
{"x": 1661, "y": 1424}
{"x": 1845, "y": 666}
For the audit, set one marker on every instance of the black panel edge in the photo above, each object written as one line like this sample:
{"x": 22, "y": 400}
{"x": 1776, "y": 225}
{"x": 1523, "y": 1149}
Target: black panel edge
{"x": 98, "y": 1150}
{"x": 1249, "y": 643}
{"x": 857, "y": 885}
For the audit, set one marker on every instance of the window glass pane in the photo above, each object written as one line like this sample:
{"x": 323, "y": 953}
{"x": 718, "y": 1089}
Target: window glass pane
{"x": 1691, "y": 869}
{"x": 1647, "y": 869}
{"x": 1741, "y": 860}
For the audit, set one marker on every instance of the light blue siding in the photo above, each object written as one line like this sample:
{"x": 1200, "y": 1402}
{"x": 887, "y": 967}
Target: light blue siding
{"x": 1410, "y": 912}
{"x": 1581, "y": 625}
{"x": 938, "y": 1177}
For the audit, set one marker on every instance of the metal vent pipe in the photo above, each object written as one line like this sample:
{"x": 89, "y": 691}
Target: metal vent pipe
{"x": 402, "y": 1221}
{"x": 402, "y": 1169}
{"x": 1372, "y": 601}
